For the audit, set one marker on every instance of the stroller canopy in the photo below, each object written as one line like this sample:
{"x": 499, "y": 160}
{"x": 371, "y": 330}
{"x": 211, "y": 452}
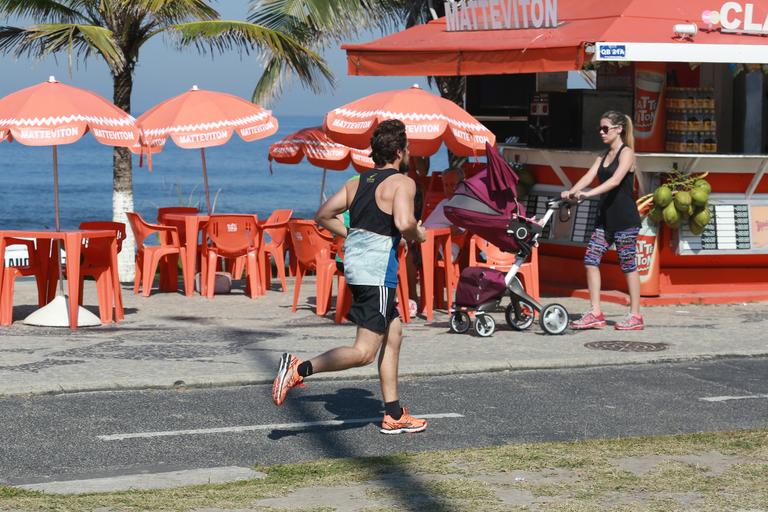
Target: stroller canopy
{"x": 485, "y": 203}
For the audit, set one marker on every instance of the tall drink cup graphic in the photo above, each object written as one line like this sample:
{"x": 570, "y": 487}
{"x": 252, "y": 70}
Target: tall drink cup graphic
{"x": 648, "y": 265}
{"x": 649, "y": 111}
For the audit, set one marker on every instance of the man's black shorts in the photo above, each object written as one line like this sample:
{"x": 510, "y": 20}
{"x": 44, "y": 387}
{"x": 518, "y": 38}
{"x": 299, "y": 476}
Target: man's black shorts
{"x": 373, "y": 307}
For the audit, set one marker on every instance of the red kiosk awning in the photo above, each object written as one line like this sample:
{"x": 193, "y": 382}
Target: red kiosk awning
{"x": 623, "y": 30}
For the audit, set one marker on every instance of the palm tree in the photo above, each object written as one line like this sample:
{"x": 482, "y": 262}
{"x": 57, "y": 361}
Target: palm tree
{"x": 321, "y": 23}
{"x": 115, "y": 31}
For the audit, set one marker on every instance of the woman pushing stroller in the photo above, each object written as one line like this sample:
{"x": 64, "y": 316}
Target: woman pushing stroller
{"x": 618, "y": 220}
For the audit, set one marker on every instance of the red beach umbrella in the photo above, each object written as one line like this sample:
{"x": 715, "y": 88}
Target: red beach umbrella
{"x": 51, "y": 114}
{"x": 202, "y": 119}
{"x": 320, "y": 150}
{"x": 429, "y": 120}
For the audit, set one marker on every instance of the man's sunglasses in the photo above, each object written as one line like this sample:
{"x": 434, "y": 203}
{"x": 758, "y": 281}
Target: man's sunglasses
{"x": 606, "y": 129}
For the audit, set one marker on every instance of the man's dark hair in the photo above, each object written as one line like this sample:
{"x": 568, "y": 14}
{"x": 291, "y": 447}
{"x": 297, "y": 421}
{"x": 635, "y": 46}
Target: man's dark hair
{"x": 388, "y": 138}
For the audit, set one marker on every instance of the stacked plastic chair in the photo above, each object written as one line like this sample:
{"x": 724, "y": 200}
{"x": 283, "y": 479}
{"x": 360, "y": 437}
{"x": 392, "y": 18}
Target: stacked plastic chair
{"x": 313, "y": 252}
{"x": 233, "y": 237}
{"x": 148, "y": 257}
{"x": 276, "y": 227}
{"x": 33, "y": 267}
{"x": 97, "y": 263}
{"x": 169, "y": 274}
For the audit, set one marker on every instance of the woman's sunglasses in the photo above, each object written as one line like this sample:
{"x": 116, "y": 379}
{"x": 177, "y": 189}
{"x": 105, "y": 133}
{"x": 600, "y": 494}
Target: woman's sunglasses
{"x": 606, "y": 129}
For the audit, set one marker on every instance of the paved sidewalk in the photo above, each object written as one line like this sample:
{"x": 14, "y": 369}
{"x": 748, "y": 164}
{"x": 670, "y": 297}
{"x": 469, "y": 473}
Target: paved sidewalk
{"x": 171, "y": 340}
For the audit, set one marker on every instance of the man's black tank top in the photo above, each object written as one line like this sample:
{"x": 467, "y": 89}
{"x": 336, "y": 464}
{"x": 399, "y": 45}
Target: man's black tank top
{"x": 617, "y": 208}
{"x": 364, "y": 213}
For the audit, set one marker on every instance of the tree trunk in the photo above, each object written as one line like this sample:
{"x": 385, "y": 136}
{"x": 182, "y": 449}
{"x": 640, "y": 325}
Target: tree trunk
{"x": 453, "y": 88}
{"x": 122, "y": 178}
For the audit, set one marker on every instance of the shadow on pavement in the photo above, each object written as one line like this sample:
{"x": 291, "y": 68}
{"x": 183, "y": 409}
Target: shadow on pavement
{"x": 351, "y": 403}
{"x": 345, "y": 403}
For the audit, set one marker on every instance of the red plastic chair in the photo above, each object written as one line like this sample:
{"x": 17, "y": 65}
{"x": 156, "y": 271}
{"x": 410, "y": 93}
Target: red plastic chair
{"x": 96, "y": 262}
{"x": 276, "y": 227}
{"x": 344, "y": 297}
{"x": 10, "y": 273}
{"x": 148, "y": 257}
{"x": 169, "y": 274}
{"x": 313, "y": 251}
{"x": 501, "y": 260}
{"x": 437, "y": 239}
{"x": 453, "y": 272}
{"x": 233, "y": 237}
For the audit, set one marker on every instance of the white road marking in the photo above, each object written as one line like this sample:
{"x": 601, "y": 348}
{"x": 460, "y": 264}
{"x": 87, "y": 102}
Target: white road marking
{"x": 726, "y": 398}
{"x": 273, "y": 426}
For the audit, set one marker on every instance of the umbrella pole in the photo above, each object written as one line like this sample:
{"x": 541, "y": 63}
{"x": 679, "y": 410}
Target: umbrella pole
{"x": 322, "y": 187}
{"x": 205, "y": 181}
{"x": 58, "y": 222}
{"x": 56, "y": 186}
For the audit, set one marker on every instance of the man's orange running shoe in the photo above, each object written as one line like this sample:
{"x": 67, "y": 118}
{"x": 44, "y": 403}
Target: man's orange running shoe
{"x": 406, "y": 424}
{"x": 287, "y": 378}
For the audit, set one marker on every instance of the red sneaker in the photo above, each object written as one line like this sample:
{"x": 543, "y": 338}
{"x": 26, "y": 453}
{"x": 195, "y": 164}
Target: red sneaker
{"x": 287, "y": 378}
{"x": 630, "y": 323}
{"x": 589, "y": 320}
{"x": 406, "y": 424}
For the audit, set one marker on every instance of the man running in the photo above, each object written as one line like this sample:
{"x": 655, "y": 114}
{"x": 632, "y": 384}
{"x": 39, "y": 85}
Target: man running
{"x": 380, "y": 208}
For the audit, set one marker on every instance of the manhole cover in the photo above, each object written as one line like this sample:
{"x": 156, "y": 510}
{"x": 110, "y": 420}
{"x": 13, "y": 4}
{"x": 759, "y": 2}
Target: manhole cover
{"x": 627, "y": 346}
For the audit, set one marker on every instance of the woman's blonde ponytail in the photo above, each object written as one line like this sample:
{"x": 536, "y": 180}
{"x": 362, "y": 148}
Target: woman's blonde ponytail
{"x": 628, "y": 134}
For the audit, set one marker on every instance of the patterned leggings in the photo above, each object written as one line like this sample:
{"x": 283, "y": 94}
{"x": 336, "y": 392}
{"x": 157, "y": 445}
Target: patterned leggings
{"x": 625, "y": 241}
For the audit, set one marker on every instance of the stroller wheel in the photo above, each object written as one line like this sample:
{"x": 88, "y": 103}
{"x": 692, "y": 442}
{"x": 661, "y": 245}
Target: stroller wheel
{"x": 460, "y": 322}
{"x": 554, "y": 319}
{"x": 484, "y": 325}
{"x": 524, "y": 319}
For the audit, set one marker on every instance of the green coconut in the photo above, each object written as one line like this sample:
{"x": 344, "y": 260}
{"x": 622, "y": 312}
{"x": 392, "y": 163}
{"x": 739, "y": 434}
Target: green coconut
{"x": 655, "y": 214}
{"x": 695, "y": 228}
{"x": 699, "y": 196}
{"x": 703, "y": 184}
{"x": 682, "y": 201}
{"x": 702, "y": 218}
{"x": 671, "y": 215}
{"x": 662, "y": 196}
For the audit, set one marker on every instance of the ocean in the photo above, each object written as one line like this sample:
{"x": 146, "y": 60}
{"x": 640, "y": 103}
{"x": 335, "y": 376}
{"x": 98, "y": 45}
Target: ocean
{"x": 238, "y": 177}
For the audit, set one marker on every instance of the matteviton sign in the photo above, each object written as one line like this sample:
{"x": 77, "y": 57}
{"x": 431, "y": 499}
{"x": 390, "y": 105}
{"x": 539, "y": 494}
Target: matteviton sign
{"x": 474, "y": 15}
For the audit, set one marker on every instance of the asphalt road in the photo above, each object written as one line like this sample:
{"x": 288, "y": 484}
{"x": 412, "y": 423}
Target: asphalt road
{"x": 89, "y": 435}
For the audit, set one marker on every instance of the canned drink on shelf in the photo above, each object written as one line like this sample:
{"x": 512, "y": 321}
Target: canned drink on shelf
{"x": 709, "y": 98}
{"x": 694, "y": 120}
{"x": 690, "y": 98}
{"x": 691, "y": 142}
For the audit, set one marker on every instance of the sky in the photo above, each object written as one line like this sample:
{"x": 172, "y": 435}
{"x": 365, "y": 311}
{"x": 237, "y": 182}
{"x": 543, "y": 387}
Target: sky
{"x": 164, "y": 72}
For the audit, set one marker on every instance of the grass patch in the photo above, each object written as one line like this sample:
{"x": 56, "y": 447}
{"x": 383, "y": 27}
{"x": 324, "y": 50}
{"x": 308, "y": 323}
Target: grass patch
{"x": 572, "y": 477}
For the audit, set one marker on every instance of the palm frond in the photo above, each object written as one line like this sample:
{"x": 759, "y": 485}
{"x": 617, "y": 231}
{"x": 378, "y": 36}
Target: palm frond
{"x": 222, "y": 36}
{"x": 172, "y": 11}
{"x": 76, "y": 40}
{"x": 12, "y": 39}
{"x": 43, "y": 10}
{"x": 270, "y": 84}
{"x": 331, "y": 20}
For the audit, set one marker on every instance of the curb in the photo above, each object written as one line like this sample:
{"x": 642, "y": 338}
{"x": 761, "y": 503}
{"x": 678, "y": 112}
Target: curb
{"x": 372, "y": 375}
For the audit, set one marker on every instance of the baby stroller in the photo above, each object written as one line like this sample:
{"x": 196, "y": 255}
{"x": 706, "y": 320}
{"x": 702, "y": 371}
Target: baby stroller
{"x": 487, "y": 205}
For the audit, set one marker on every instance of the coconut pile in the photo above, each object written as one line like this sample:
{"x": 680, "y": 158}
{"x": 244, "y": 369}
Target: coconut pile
{"x": 680, "y": 199}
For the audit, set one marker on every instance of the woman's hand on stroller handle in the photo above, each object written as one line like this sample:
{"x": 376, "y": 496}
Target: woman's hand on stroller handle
{"x": 564, "y": 201}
